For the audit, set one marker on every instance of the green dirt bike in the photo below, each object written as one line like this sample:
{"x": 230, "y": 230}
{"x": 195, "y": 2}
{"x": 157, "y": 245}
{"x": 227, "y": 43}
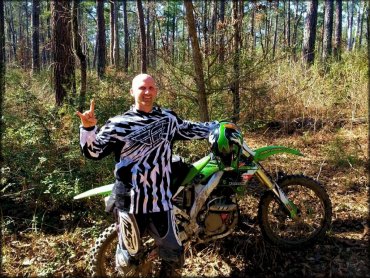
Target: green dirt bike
{"x": 294, "y": 212}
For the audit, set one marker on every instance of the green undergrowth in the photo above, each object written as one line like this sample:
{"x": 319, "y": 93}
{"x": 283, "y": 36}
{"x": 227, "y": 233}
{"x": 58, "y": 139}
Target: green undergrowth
{"x": 42, "y": 167}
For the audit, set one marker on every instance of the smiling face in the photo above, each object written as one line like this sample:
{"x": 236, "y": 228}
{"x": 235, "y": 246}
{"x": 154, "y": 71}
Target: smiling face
{"x": 144, "y": 91}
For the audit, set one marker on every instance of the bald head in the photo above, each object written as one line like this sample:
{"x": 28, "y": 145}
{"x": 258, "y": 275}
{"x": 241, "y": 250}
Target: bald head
{"x": 141, "y": 78}
{"x": 144, "y": 91}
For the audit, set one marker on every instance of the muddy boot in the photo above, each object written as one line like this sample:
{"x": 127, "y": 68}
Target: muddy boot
{"x": 125, "y": 264}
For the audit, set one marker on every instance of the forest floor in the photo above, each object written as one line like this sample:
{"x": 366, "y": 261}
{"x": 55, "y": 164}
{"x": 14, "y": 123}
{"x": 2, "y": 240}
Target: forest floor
{"x": 337, "y": 158}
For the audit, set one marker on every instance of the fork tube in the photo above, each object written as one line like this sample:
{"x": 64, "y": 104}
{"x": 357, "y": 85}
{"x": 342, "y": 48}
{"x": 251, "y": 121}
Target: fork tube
{"x": 264, "y": 179}
{"x": 274, "y": 187}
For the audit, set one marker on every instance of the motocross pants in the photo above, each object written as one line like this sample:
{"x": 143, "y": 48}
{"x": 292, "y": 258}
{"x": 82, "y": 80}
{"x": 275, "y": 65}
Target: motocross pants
{"x": 161, "y": 226}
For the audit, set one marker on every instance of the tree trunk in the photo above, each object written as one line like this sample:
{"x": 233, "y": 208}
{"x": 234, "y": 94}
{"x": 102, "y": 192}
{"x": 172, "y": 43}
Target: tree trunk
{"x": 49, "y": 38}
{"x": 12, "y": 33}
{"x": 148, "y": 40}
{"x": 276, "y": 29}
{"x": 43, "y": 33}
{"x": 116, "y": 36}
{"x": 64, "y": 63}
{"x": 267, "y": 32}
{"x": 308, "y": 52}
{"x": 27, "y": 54}
{"x": 81, "y": 56}
{"x": 368, "y": 45}
{"x": 236, "y": 62}
{"x": 320, "y": 36}
{"x": 35, "y": 36}
{"x": 125, "y": 30}
{"x": 361, "y": 27}
{"x": 358, "y": 25}
{"x": 21, "y": 43}
{"x": 173, "y": 27}
{"x": 112, "y": 33}
{"x": 154, "y": 44}
{"x": 95, "y": 51}
{"x": 2, "y": 64}
{"x": 328, "y": 30}
{"x": 205, "y": 27}
{"x": 253, "y": 32}
{"x": 142, "y": 36}
{"x": 297, "y": 18}
{"x": 338, "y": 30}
{"x": 287, "y": 35}
{"x": 43, "y": 46}
{"x": 213, "y": 26}
{"x": 197, "y": 59}
{"x": 2, "y": 73}
{"x": 101, "y": 44}
{"x": 350, "y": 25}
{"x": 222, "y": 43}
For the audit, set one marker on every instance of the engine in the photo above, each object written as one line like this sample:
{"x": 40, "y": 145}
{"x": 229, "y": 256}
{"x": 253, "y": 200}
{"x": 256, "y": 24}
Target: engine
{"x": 220, "y": 216}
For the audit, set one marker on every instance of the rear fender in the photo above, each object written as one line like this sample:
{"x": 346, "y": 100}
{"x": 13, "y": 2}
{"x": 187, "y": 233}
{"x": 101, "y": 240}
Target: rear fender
{"x": 196, "y": 167}
{"x": 102, "y": 190}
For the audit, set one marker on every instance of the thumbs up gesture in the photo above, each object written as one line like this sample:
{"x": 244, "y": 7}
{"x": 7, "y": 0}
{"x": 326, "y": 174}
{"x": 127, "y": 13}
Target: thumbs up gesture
{"x": 88, "y": 117}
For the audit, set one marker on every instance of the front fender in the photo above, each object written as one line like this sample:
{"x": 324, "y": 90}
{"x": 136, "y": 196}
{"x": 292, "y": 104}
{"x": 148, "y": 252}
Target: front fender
{"x": 265, "y": 152}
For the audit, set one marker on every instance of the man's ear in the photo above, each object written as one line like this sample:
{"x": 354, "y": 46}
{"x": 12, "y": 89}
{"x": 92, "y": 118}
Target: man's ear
{"x": 131, "y": 92}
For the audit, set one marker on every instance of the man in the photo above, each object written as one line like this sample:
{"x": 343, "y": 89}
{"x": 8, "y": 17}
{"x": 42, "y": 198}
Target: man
{"x": 141, "y": 140}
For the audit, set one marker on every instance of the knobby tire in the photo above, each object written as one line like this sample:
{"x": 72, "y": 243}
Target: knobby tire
{"x": 314, "y": 205}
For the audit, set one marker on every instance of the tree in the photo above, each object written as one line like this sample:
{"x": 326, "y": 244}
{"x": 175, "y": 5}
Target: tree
{"x": 350, "y": 25}
{"x": 126, "y": 38}
{"x": 11, "y": 31}
{"x": 81, "y": 56}
{"x": 142, "y": 35}
{"x": 112, "y": 33}
{"x": 64, "y": 63}
{"x": 35, "y": 35}
{"x": 362, "y": 25}
{"x": 276, "y": 29}
{"x": 222, "y": 43}
{"x": 154, "y": 43}
{"x": 2, "y": 79}
{"x": 297, "y": 19}
{"x": 101, "y": 44}
{"x": 253, "y": 33}
{"x": 114, "y": 39}
{"x": 328, "y": 30}
{"x": 236, "y": 62}
{"x": 338, "y": 30}
{"x": 148, "y": 40}
{"x": 358, "y": 40}
{"x": 287, "y": 34}
{"x": 308, "y": 51}
{"x": 116, "y": 35}
{"x": 2, "y": 60}
{"x": 197, "y": 60}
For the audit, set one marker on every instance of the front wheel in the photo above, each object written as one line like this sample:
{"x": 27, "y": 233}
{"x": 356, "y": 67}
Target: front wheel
{"x": 314, "y": 209}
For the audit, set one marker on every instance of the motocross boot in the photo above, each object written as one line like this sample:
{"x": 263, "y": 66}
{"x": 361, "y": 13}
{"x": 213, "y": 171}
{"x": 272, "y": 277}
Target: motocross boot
{"x": 125, "y": 264}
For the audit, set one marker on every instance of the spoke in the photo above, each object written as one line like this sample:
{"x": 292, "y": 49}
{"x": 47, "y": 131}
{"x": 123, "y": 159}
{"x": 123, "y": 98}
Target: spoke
{"x": 312, "y": 213}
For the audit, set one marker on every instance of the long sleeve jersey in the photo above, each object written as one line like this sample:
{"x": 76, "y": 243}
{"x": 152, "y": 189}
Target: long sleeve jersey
{"x": 142, "y": 144}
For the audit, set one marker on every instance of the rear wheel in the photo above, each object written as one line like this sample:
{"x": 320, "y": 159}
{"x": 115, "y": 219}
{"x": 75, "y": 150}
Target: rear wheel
{"x": 103, "y": 258}
{"x": 314, "y": 209}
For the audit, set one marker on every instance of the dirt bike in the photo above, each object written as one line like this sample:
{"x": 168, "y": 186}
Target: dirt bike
{"x": 294, "y": 211}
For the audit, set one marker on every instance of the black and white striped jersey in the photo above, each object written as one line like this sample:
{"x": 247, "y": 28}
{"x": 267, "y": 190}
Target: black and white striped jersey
{"x": 142, "y": 144}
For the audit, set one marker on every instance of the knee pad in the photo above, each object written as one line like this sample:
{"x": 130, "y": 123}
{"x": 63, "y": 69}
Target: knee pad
{"x": 128, "y": 231}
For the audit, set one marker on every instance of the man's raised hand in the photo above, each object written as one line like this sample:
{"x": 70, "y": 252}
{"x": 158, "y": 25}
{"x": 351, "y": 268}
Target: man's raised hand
{"x": 88, "y": 117}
